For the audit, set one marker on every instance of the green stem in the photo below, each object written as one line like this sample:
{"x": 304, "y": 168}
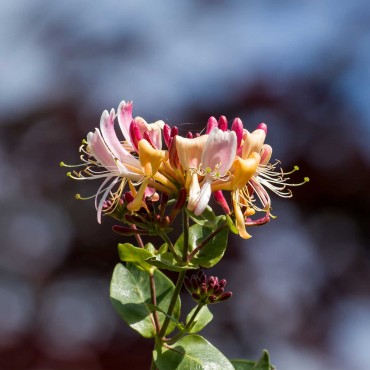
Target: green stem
{"x": 194, "y": 315}
{"x": 153, "y": 366}
{"x": 153, "y": 295}
{"x": 165, "y": 237}
{"x": 175, "y": 338}
{"x": 180, "y": 281}
{"x": 205, "y": 241}
{"x": 185, "y": 221}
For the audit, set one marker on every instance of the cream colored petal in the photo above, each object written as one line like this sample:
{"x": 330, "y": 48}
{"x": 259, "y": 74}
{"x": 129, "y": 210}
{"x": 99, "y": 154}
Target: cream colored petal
{"x": 189, "y": 151}
{"x": 194, "y": 191}
{"x": 252, "y": 142}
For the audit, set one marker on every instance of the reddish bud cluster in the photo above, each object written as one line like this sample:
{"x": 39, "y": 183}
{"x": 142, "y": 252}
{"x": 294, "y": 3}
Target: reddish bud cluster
{"x": 206, "y": 291}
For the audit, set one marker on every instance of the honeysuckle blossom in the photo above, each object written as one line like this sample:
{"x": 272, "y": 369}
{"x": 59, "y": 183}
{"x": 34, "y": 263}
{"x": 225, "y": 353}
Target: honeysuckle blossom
{"x": 209, "y": 157}
{"x": 135, "y": 160}
{"x": 250, "y": 174}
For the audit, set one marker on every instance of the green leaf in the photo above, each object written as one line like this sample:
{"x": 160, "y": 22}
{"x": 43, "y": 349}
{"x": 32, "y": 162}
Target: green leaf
{"x": 262, "y": 364}
{"x": 212, "y": 252}
{"x": 167, "y": 261}
{"x": 129, "y": 253}
{"x": 130, "y": 296}
{"x": 162, "y": 249}
{"x": 150, "y": 248}
{"x": 207, "y": 218}
{"x": 203, "y": 317}
{"x": 232, "y": 226}
{"x": 190, "y": 352}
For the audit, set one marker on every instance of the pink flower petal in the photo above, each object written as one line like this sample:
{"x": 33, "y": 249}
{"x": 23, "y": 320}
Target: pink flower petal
{"x": 110, "y": 138}
{"x": 124, "y": 113}
{"x": 99, "y": 150}
{"x": 220, "y": 149}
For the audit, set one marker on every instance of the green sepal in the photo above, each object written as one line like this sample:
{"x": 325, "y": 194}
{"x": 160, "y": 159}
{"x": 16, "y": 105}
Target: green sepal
{"x": 262, "y": 364}
{"x": 190, "y": 352}
{"x": 138, "y": 256}
{"x": 203, "y": 318}
{"x": 212, "y": 252}
{"x": 131, "y": 298}
{"x": 167, "y": 261}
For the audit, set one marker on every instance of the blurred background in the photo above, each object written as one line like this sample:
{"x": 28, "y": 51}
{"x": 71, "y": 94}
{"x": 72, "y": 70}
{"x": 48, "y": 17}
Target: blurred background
{"x": 301, "y": 285}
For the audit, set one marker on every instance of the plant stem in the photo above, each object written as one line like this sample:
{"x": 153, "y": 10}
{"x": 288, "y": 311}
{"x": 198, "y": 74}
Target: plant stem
{"x": 152, "y": 365}
{"x": 153, "y": 295}
{"x": 194, "y": 315}
{"x": 165, "y": 237}
{"x": 185, "y": 222}
{"x": 180, "y": 280}
{"x": 175, "y": 338}
{"x": 205, "y": 241}
{"x": 138, "y": 237}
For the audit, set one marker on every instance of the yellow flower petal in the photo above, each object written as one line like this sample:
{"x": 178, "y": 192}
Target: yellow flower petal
{"x": 137, "y": 203}
{"x": 239, "y": 218}
{"x": 150, "y": 158}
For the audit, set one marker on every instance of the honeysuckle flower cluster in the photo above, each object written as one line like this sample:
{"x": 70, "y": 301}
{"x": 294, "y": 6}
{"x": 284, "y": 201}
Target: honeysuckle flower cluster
{"x": 149, "y": 174}
{"x": 222, "y": 160}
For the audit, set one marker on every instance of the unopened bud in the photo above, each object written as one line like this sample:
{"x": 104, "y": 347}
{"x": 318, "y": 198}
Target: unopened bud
{"x": 212, "y": 299}
{"x": 220, "y": 199}
{"x": 172, "y": 153}
{"x": 128, "y": 197}
{"x": 222, "y": 283}
{"x": 128, "y": 231}
{"x": 262, "y": 126}
{"x": 174, "y": 131}
{"x": 164, "y": 200}
{"x": 224, "y": 296}
{"x": 211, "y": 124}
{"x": 166, "y": 220}
{"x": 222, "y": 123}
{"x": 203, "y": 290}
{"x": 237, "y": 127}
{"x": 181, "y": 199}
{"x": 187, "y": 283}
{"x": 195, "y": 296}
{"x": 135, "y": 134}
{"x": 167, "y": 134}
{"x": 194, "y": 283}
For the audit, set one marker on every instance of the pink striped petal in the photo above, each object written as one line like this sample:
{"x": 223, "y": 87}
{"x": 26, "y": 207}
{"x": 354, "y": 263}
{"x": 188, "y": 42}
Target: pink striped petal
{"x": 124, "y": 113}
{"x": 110, "y": 138}
{"x": 99, "y": 150}
{"x": 220, "y": 149}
